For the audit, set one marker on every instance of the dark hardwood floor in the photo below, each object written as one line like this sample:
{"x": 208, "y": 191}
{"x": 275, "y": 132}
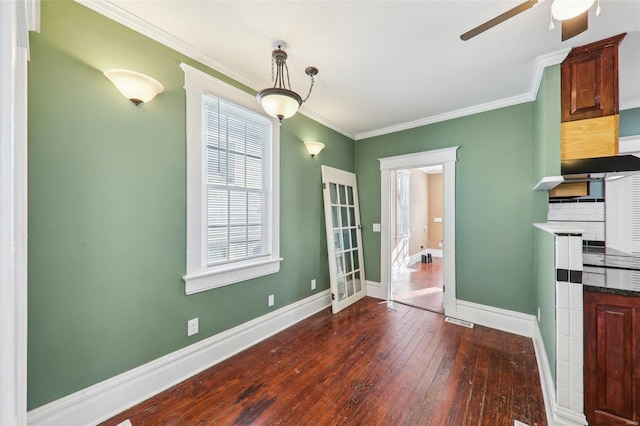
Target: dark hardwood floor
{"x": 419, "y": 285}
{"x": 375, "y": 363}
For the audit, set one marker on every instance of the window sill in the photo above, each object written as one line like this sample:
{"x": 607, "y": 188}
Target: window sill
{"x": 207, "y": 280}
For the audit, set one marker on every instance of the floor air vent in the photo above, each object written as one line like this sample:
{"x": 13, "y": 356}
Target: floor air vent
{"x": 458, "y": 322}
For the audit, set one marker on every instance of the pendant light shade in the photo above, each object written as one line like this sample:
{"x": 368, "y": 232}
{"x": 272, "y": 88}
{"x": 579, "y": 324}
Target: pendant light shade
{"x": 136, "y": 87}
{"x": 280, "y": 101}
{"x": 567, "y": 9}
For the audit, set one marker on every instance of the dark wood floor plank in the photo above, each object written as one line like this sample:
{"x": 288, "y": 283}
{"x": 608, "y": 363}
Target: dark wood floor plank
{"x": 374, "y": 363}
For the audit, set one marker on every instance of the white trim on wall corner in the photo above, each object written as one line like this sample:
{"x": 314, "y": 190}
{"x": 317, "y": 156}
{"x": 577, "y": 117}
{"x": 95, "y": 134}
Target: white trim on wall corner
{"x": 376, "y": 290}
{"x": 112, "y": 396}
{"x": 498, "y": 318}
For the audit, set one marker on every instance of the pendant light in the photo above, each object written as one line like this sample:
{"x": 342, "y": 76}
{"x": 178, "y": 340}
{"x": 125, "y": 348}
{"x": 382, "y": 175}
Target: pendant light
{"x": 280, "y": 101}
{"x": 567, "y": 9}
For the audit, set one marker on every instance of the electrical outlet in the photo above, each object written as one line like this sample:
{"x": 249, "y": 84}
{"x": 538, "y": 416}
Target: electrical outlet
{"x": 538, "y": 314}
{"x": 376, "y": 227}
{"x": 313, "y": 284}
{"x": 192, "y": 327}
{"x": 271, "y": 300}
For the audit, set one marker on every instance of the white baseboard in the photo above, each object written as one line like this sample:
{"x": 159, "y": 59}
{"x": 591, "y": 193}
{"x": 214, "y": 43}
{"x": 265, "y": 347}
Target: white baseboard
{"x": 112, "y": 396}
{"x": 377, "y": 290}
{"x": 500, "y": 319}
{"x": 416, "y": 258}
{"x": 544, "y": 369}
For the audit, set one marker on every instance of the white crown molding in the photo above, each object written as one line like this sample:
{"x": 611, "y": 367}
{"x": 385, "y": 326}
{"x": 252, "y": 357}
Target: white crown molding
{"x": 33, "y": 15}
{"x": 112, "y": 396}
{"x": 129, "y": 20}
{"x": 540, "y": 64}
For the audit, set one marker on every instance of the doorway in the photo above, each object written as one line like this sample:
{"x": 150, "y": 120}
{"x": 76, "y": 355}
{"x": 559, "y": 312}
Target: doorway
{"x": 417, "y": 237}
{"x": 447, "y": 158}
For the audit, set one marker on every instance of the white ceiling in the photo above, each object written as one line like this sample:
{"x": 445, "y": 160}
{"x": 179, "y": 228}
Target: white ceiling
{"x": 384, "y": 65}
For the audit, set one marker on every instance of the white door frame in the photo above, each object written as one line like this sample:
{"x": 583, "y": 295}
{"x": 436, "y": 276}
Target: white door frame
{"x": 16, "y": 19}
{"x": 447, "y": 157}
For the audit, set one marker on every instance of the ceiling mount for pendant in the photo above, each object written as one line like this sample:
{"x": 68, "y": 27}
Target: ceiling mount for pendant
{"x": 280, "y": 101}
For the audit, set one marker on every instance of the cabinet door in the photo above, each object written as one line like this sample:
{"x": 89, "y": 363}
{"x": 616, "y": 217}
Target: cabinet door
{"x": 589, "y": 84}
{"x": 612, "y": 357}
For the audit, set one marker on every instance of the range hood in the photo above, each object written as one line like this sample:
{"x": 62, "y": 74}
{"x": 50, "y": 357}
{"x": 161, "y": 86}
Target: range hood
{"x": 592, "y": 169}
{"x": 600, "y": 168}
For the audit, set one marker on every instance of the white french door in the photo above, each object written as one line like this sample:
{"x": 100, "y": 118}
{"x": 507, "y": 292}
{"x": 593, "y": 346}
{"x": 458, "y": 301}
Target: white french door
{"x": 344, "y": 237}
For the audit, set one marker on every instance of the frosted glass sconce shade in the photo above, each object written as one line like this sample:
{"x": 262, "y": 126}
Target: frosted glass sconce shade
{"x": 314, "y": 148}
{"x": 136, "y": 87}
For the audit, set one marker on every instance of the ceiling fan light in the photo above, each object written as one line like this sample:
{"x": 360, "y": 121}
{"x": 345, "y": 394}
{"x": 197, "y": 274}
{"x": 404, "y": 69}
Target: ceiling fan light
{"x": 567, "y": 9}
{"x": 279, "y": 103}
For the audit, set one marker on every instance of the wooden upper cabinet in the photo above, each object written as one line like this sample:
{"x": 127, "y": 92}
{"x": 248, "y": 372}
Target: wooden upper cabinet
{"x": 589, "y": 84}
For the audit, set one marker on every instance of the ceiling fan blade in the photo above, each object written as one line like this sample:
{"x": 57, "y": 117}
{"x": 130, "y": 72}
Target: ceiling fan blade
{"x": 499, "y": 19}
{"x": 574, "y": 26}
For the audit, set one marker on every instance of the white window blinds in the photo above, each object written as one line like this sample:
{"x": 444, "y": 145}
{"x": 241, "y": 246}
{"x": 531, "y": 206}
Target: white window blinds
{"x": 237, "y": 145}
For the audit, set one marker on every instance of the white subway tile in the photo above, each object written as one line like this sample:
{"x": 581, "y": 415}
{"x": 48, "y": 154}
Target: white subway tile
{"x": 563, "y": 397}
{"x": 576, "y": 324}
{"x": 575, "y": 378}
{"x": 563, "y": 321}
{"x": 575, "y": 297}
{"x": 562, "y": 374}
{"x": 576, "y": 401}
{"x": 576, "y": 351}
{"x": 562, "y": 348}
{"x": 562, "y": 295}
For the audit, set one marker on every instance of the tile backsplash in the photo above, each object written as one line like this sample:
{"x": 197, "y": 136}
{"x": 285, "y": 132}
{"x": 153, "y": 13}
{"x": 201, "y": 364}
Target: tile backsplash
{"x": 587, "y": 215}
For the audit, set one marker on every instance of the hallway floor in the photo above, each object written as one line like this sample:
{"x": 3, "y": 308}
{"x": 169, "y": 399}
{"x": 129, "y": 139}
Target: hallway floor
{"x": 419, "y": 285}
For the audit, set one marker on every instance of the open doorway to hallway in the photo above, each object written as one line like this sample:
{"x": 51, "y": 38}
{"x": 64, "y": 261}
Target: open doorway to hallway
{"x": 417, "y": 237}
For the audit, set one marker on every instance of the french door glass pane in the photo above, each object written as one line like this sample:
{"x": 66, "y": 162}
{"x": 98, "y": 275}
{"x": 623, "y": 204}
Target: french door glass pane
{"x": 350, "y": 287}
{"x": 343, "y": 198}
{"x": 345, "y": 239}
{"x": 347, "y": 262}
{"x": 340, "y": 264}
{"x": 358, "y": 282}
{"x": 350, "y": 195}
{"x": 342, "y": 292}
{"x": 343, "y": 211}
{"x": 354, "y": 238}
{"x": 335, "y": 217}
{"x": 337, "y": 245}
{"x": 333, "y": 193}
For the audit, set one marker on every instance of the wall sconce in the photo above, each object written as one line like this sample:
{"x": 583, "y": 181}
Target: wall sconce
{"x": 136, "y": 87}
{"x": 314, "y": 148}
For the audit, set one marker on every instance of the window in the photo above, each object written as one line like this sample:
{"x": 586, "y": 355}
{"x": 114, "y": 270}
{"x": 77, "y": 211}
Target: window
{"x": 403, "y": 219}
{"x": 232, "y": 185}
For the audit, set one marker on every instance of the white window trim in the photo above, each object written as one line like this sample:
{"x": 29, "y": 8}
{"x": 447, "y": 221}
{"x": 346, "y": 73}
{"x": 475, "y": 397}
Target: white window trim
{"x": 199, "y": 277}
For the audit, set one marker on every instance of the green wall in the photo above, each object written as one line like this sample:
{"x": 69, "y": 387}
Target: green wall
{"x": 547, "y": 124}
{"x": 630, "y": 122}
{"x": 107, "y": 210}
{"x": 495, "y": 203}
